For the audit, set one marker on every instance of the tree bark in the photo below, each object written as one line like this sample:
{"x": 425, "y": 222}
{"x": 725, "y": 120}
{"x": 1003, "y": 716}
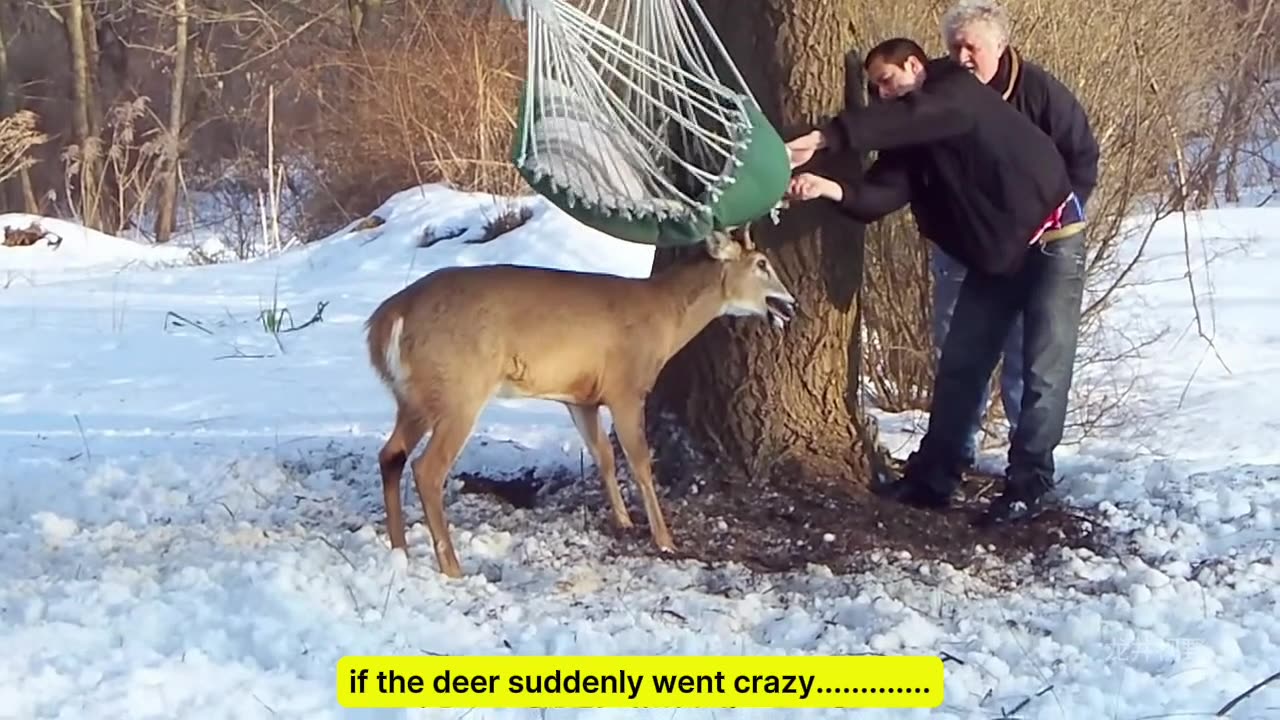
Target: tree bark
{"x": 173, "y": 151}
{"x": 91, "y": 53}
{"x": 11, "y": 102}
{"x": 741, "y": 395}
{"x": 83, "y": 119}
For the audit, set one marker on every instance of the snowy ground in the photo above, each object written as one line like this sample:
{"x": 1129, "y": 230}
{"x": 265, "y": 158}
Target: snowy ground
{"x": 191, "y": 522}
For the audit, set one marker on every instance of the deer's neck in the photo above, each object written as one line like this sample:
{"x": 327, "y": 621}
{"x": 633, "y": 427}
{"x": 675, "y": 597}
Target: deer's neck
{"x": 695, "y": 296}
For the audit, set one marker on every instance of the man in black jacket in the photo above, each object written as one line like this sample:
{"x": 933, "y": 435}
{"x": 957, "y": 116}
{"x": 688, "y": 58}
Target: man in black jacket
{"x": 986, "y": 185}
{"x": 977, "y": 35}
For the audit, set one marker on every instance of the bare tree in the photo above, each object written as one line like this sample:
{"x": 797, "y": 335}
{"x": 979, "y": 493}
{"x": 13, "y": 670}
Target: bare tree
{"x": 86, "y": 159}
{"x": 173, "y": 138}
{"x": 10, "y": 101}
{"x": 1241, "y": 101}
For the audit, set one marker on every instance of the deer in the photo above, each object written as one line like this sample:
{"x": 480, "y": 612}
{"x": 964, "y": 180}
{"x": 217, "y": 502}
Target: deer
{"x": 448, "y": 343}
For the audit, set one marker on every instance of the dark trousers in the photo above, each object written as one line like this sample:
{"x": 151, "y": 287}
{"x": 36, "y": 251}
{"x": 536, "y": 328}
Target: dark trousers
{"x": 1049, "y": 291}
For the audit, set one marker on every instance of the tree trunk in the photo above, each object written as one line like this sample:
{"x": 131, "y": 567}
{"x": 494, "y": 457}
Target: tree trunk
{"x": 83, "y": 119}
{"x": 91, "y": 54}
{"x": 173, "y": 151}
{"x": 11, "y": 102}
{"x": 741, "y": 395}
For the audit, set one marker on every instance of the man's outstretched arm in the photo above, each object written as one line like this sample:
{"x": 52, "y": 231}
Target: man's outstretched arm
{"x": 883, "y": 189}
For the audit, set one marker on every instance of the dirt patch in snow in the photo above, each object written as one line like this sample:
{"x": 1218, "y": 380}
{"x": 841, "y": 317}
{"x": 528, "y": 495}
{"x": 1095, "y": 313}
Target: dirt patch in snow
{"x": 786, "y": 526}
{"x": 781, "y": 526}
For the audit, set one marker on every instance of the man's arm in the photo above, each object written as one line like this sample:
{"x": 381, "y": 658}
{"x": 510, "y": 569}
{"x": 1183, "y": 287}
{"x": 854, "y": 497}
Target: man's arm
{"x": 914, "y": 119}
{"x": 883, "y": 189}
{"x": 1060, "y": 115}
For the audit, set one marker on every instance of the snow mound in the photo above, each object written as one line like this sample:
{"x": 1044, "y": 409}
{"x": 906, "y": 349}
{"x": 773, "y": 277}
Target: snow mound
{"x": 67, "y": 246}
{"x": 429, "y": 227}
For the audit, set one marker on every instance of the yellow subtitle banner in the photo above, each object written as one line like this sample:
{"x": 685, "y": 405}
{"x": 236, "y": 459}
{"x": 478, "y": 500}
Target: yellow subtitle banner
{"x": 624, "y": 681}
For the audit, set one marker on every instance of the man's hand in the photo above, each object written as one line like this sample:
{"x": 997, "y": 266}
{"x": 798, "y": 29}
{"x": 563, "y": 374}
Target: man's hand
{"x": 801, "y": 150}
{"x": 807, "y": 186}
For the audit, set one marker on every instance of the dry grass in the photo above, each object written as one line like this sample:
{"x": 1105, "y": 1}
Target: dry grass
{"x": 433, "y": 102}
{"x": 19, "y": 134}
{"x": 507, "y": 216}
{"x": 127, "y": 170}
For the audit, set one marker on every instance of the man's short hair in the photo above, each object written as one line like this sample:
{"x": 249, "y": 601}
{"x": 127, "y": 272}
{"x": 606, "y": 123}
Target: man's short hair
{"x": 895, "y": 51}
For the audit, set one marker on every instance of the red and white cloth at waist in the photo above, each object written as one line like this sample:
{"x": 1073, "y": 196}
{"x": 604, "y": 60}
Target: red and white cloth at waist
{"x": 1066, "y": 213}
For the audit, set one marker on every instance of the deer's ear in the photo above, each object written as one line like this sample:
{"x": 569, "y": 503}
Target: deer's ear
{"x": 721, "y": 246}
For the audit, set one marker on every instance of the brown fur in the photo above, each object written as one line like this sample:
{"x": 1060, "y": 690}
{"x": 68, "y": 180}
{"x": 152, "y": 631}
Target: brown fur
{"x": 586, "y": 340}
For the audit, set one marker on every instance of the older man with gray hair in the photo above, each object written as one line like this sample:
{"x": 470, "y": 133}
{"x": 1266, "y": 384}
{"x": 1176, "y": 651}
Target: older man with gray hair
{"x": 977, "y": 34}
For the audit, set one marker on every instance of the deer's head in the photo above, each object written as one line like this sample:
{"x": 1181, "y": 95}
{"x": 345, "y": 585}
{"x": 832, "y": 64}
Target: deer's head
{"x": 750, "y": 285}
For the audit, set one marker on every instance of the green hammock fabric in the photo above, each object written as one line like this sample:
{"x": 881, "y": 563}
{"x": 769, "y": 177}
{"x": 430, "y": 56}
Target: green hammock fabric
{"x": 757, "y": 187}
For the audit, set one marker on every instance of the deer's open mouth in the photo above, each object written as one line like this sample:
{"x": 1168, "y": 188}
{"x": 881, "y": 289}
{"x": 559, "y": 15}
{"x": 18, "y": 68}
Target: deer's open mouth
{"x": 781, "y": 310}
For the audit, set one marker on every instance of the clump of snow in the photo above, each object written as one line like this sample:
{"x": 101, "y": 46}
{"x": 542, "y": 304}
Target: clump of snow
{"x": 191, "y": 519}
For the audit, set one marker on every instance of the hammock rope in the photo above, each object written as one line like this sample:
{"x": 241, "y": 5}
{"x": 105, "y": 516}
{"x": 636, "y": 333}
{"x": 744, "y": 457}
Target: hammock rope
{"x": 626, "y": 122}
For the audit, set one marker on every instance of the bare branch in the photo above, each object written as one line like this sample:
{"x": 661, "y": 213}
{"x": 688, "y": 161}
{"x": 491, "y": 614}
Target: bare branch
{"x": 1240, "y": 698}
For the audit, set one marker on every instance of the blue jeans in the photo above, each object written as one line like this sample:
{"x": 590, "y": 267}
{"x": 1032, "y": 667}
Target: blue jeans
{"x": 1048, "y": 293}
{"x": 948, "y": 276}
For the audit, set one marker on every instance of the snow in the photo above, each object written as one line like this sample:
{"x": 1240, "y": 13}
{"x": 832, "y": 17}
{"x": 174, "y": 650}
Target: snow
{"x": 191, "y": 518}
{"x": 66, "y": 247}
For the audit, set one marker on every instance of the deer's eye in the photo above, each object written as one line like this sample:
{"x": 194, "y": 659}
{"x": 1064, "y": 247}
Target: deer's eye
{"x": 762, "y": 264}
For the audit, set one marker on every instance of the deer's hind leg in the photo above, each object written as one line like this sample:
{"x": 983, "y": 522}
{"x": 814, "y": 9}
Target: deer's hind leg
{"x": 406, "y": 435}
{"x": 453, "y": 426}
{"x": 587, "y": 419}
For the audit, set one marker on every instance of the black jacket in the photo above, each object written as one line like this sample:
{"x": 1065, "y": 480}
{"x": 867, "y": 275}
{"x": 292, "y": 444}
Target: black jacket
{"x": 1051, "y": 106}
{"x": 981, "y": 178}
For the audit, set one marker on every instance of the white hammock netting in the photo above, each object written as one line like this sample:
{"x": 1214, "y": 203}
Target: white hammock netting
{"x": 625, "y": 114}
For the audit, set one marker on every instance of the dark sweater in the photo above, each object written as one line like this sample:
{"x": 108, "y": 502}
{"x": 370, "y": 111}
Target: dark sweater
{"x": 981, "y": 178}
{"x": 1055, "y": 110}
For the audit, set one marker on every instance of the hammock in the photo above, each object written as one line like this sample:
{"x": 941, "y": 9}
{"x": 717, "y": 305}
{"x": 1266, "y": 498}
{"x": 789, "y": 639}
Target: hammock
{"x": 625, "y": 124}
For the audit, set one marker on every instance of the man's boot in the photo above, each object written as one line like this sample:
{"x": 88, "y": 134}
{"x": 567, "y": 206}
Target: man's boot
{"x": 1023, "y": 498}
{"x": 925, "y": 484}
